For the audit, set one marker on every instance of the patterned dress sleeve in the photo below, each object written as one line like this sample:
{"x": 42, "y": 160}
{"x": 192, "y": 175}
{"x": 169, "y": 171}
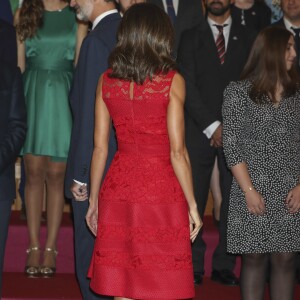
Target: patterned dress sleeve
{"x": 234, "y": 115}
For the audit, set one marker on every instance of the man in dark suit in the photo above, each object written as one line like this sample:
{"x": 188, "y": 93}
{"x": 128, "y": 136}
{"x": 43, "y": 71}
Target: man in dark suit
{"x": 12, "y": 131}
{"x": 93, "y": 61}
{"x": 291, "y": 21}
{"x": 184, "y": 14}
{"x": 210, "y": 56}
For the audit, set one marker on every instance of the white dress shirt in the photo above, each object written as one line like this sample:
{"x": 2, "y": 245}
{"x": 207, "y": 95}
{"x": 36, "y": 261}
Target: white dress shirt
{"x": 175, "y": 4}
{"x": 288, "y": 25}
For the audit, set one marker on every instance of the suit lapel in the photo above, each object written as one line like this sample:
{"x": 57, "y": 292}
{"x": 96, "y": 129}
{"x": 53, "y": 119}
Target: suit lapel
{"x": 232, "y": 51}
{"x": 207, "y": 38}
{"x": 184, "y": 6}
{"x": 181, "y": 7}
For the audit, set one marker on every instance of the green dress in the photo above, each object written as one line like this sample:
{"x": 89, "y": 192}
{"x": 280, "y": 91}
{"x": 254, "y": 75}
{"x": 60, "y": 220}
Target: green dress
{"x": 47, "y": 81}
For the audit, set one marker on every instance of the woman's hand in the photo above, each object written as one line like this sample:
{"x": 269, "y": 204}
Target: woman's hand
{"x": 195, "y": 223}
{"x": 255, "y": 202}
{"x": 92, "y": 217}
{"x": 293, "y": 199}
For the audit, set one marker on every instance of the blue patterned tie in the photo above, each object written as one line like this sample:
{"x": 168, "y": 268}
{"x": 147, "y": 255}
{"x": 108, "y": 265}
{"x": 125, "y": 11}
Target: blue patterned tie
{"x": 171, "y": 11}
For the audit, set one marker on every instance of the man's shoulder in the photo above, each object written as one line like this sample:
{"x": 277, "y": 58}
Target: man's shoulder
{"x": 279, "y": 23}
{"x": 6, "y": 28}
{"x": 105, "y": 31}
{"x": 199, "y": 31}
{"x": 107, "y": 26}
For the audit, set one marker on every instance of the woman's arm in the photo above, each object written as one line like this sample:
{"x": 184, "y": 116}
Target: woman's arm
{"x": 254, "y": 200}
{"x": 179, "y": 155}
{"x": 234, "y": 113}
{"x": 82, "y": 30}
{"x": 101, "y": 139}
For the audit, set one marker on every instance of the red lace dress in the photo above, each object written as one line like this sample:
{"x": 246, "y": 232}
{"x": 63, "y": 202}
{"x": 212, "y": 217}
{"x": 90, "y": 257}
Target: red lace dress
{"x": 142, "y": 249}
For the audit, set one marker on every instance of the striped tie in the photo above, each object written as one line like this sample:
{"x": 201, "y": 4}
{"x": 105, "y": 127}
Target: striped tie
{"x": 220, "y": 43}
{"x": 171, "y": 11}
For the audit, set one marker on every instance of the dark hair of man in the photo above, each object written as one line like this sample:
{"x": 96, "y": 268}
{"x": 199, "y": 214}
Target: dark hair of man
{"x": 266, "y": 66}
{"x": 145, "y": 39}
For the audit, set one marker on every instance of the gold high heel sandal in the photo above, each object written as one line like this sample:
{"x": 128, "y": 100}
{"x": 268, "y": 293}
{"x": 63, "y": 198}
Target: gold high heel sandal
{"x": 45, "y": 270}
{"x": 32, "y": 271}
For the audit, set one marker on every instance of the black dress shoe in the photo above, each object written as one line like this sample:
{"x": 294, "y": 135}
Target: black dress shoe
{"x": 197, "y": 278}
{"x": 225, "y": 277}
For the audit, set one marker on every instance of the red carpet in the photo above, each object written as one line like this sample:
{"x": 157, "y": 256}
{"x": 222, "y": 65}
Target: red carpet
{"x": 64, "y": 286}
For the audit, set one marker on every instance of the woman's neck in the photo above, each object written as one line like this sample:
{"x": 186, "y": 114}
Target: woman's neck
{"x": 278, "y": 93}
{"x": 54, "y": 5}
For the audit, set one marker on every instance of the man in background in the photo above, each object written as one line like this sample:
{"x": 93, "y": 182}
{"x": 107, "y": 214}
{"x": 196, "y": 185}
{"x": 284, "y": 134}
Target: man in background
{"x": 184, "y": 15}
{"x": 211, "y": 55}
{"x": 12, "y": 128}
{"x": 93, "y": 61}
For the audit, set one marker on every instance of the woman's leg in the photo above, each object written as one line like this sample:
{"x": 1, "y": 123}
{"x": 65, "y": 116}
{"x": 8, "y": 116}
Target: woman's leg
{"x": 253, "y": 276}
{"x": 216, "y": 190}
{"x": 282, "y": 280}
{"x": 55, "y": 176}
{"x": 35, "y": 171}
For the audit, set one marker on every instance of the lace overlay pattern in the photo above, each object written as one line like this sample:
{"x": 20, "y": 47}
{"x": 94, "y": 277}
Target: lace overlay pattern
{"x": 143, "y": 235}
{"x": 143, "y": 262}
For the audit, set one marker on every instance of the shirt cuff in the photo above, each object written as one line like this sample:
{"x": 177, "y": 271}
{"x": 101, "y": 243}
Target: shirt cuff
{"x": 81, "y": 183}
{"x": 209, "y": 131}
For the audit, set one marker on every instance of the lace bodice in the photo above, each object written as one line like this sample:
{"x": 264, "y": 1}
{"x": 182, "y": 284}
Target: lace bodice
{"x": 139, "y": 111}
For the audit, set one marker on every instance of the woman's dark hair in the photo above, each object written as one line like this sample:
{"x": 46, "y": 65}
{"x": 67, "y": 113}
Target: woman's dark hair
{"x": 145, "y": 40}
{"x": 30, "y": 18}
{"x": 266, "y": 65}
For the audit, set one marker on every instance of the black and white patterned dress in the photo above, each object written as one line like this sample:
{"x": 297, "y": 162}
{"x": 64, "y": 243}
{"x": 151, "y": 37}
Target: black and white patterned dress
{"x": 267, "y": 138}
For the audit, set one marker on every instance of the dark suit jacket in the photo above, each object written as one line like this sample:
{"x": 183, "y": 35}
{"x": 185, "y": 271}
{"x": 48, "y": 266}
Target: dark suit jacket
{"x": 205, "y": 77}
{"x": 5, "y": 11}
{"x": 12, "y": 126}
{"x": 189, "y": 15}
{"x": 93, "y": 61}
{"x": 279, "y": 23}
{"x": 8, "y": 48}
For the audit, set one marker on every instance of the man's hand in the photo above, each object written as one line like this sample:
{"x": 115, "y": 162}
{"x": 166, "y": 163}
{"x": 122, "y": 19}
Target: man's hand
{"x": 79, "y": 191}
{"x": 216, "y": 139}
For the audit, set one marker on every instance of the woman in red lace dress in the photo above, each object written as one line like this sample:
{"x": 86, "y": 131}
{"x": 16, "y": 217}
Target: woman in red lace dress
{"x": 146, "y": 215}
